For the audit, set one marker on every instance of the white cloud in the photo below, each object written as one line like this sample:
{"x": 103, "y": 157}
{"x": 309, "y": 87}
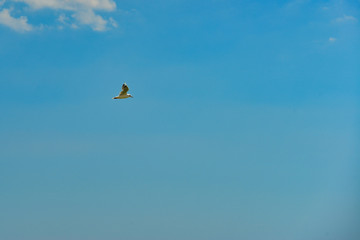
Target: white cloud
{"x": 345, "y": 18}
{"x": 73, "y": 5}
{"x": 88, "y": 17}
{"x": 82, "y": 12}
{"x": 332, "y": 39}
{"x": 18, "y": 24}
{"x": 2, "y": 2}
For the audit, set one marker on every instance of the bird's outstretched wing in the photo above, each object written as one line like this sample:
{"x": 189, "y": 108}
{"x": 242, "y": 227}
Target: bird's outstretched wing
{"x": 124, "y": 88}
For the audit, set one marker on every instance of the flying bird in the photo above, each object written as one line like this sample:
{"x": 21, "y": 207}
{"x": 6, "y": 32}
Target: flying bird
{"x": 123, "y": 93}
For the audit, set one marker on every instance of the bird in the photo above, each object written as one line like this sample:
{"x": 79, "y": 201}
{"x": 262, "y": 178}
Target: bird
{"x": 123, "y": 93}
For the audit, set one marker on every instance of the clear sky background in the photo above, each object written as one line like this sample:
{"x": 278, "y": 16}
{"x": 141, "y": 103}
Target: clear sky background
{"x": 244, "y": 122}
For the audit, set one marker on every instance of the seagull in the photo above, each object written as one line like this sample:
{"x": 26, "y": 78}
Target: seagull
{"x": 123, "y": 93}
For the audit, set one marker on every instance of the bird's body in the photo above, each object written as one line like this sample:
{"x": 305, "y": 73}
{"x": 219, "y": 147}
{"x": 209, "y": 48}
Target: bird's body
{"x": 123, "y": 94}
{"x": 122, "y": 97}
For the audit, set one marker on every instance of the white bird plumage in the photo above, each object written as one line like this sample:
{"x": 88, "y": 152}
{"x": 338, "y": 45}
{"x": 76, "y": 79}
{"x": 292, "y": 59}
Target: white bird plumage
{"x": 123, "y": 93}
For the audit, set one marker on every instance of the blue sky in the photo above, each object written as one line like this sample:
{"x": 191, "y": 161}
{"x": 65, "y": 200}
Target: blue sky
{"x": 244, "y": 122}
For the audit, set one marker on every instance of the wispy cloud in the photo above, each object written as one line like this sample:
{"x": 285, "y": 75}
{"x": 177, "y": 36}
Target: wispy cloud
{"x": 88, "y": 17}
{"x": 295, "y": 4}
{"x": 18, "y": 24}
{"x": 345, "y": 19}
{"x": 332, "y": 39}
{"x": 113, "y": 22}
{"x": 325, "y": 8}
{"x": 74, "y": 13}
{"x": 63, "y": 19}
{"x": 73, "y": 5}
